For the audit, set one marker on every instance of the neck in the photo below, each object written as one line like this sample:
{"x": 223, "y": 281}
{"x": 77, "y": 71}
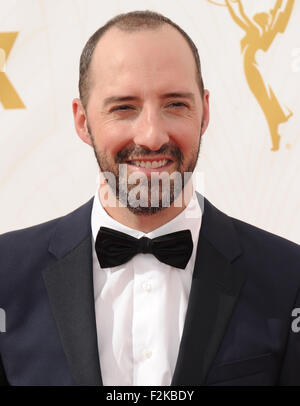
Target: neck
{"x": 148, "y": 223}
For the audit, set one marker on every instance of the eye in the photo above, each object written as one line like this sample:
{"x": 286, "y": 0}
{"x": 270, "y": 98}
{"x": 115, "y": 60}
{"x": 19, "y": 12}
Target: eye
{"x": 123, "y": 107}
{"x": 177, "y": 104}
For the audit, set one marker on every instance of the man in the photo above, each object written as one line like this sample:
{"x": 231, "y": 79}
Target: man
{"x": 123, "y": 291}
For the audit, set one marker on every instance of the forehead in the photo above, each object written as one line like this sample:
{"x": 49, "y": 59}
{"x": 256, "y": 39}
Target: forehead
{"x": 160, "y": 57}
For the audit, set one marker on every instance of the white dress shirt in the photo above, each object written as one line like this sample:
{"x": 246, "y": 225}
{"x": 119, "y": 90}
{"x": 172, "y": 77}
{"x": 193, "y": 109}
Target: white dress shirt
{"x": 140, "y": 306}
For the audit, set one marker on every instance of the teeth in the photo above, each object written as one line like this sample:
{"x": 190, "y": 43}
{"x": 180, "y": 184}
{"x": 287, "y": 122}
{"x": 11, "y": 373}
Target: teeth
{"x": 148, "y": 164}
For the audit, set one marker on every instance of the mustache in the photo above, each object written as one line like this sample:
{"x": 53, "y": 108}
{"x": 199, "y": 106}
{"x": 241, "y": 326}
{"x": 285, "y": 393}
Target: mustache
{"x": 141, "y": 152}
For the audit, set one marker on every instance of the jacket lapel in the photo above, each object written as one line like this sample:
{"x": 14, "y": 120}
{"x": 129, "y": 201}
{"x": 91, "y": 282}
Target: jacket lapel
{"x": 215, "y": 288}
{"x": 69, "y": 284}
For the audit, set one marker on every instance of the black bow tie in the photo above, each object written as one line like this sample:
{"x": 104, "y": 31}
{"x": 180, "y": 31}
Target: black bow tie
{"x": 115, "y": 248}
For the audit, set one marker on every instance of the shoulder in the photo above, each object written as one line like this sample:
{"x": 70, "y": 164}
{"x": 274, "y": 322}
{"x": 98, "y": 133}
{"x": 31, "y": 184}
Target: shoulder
{"x": 260, "y": 252}
{"x": 26, "y": 239}
{"x": 247, "y": 234}
{"x": 271, "y": 263}
{"x": 266, "y": 243}
{"x": 32, "y": 242}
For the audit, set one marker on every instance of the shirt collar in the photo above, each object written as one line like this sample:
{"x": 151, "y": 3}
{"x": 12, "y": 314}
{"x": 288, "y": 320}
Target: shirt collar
{"x": 188, "y": 219}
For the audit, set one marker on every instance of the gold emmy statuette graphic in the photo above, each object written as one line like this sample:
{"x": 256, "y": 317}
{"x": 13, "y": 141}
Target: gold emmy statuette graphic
{"x": 260, "y": 31}
{"x": 8, "y": 95}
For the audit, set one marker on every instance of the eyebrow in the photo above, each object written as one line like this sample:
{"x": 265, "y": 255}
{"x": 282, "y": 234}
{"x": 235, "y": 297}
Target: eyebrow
{"x": 119, "y": 99}
{"x": 179, "y": 95}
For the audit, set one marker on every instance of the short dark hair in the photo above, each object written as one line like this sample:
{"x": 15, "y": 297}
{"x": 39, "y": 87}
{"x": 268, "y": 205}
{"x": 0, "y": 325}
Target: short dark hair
{"x": 130, "y": 22}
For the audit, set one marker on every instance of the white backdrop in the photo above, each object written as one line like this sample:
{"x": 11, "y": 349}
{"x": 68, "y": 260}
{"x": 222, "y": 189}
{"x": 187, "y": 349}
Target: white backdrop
{"x": 46, "y": 171}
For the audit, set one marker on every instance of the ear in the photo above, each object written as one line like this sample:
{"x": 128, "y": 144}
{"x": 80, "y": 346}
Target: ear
{"x": 205, "y": 110}
{"x": 80, "y": 121}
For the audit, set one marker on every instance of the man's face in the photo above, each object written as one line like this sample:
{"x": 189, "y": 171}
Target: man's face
{"x": 144, "y": 105}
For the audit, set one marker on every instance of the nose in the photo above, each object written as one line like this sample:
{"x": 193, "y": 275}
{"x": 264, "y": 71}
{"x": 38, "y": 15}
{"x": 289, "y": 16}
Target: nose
{"x": 150, "y": 131}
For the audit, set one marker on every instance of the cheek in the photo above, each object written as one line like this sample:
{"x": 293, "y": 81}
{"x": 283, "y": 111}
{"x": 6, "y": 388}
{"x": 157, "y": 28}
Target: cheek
{"x": 112, "y": 137}
{"x": 186, "y": 135}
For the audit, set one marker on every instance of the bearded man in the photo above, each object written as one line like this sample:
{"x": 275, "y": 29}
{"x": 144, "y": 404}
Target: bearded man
{"x": 147, "y": 283}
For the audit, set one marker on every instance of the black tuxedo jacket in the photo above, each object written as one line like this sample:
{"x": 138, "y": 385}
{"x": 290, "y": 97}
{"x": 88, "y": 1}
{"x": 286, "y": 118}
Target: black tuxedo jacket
{"x": 238, "y": 322}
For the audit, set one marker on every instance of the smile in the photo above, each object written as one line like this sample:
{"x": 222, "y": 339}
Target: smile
{"x": 150, "y": 164}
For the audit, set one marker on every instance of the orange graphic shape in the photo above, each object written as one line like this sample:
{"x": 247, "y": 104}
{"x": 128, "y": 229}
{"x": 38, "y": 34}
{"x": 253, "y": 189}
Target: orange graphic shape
{"x": 8, "y": 95}
{"x": 260, "y": 31}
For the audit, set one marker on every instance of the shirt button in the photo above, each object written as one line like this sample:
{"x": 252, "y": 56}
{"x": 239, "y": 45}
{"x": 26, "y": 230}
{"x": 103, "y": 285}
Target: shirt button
{"x": 147, "y": 354}
{"x": 147, "y": 286}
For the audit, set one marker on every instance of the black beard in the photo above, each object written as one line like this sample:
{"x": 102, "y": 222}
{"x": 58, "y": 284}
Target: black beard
{"x": 121, "y": 188}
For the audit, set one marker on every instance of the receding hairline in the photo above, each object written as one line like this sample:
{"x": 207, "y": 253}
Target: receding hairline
{"x": 131, "y": 22}
{"x": 130, "y": 31}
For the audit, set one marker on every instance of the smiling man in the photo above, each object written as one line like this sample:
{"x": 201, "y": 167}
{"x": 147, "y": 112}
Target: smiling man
{"x": 142, "y": 104}
{"x": 147, "y": 283}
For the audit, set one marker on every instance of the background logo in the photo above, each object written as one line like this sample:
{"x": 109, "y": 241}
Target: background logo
{"x": 8, "y": 95}
{"x": 260, "y": 31}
